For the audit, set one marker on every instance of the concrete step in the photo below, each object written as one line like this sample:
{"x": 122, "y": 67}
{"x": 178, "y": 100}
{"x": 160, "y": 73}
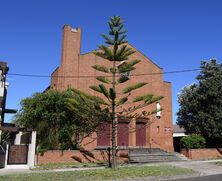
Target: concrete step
{"x": 145, "y": 150}
{"x": 143, "y": 157}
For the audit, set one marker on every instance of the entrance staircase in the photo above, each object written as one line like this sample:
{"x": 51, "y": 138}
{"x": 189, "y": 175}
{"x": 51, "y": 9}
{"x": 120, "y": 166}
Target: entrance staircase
{"x": 147, "y": 155}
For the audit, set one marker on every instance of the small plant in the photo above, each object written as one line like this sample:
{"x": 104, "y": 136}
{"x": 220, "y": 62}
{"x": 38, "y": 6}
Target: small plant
{"x": 193, "y": 142}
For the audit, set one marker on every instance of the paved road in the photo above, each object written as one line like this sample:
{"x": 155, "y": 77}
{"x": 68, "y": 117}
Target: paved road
{"x": 203, "y": 178}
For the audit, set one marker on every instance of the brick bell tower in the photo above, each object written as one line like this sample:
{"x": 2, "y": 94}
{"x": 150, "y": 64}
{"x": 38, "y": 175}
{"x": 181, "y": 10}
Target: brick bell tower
{"x": 69, "y": 68}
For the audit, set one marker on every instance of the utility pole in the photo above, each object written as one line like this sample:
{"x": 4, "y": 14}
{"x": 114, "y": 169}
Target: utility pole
{"x": 3, "y": 89}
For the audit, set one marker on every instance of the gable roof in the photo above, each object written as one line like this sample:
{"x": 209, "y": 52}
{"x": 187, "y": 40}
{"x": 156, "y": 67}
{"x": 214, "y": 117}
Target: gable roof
{"x": 144, "y": 55}
{"x": 133, "y": 48}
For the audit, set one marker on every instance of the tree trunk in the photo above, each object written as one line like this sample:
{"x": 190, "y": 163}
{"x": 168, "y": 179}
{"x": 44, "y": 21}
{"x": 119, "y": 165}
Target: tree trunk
{"x": 114, "y": 120}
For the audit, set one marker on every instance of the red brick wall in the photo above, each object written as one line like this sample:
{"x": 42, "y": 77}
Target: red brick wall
{"x": 159, "y": 131}
{"x": 58, "y": 156}
{"x": 198, "y": 154}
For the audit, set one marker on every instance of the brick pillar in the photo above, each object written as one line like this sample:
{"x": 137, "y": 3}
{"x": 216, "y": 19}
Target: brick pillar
{"x": 71, "y": 44}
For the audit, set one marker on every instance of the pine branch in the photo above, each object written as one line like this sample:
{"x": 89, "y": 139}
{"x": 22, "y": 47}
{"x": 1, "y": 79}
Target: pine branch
{"x": 127, "y": 53}
{"x": 104, "y": 90}
{"x": 96, "y": 88}
{"x": 101, "y": 101}
{"x": 135, "y": 108}
{"x": 121, "y": 50}
{"x": 106, "y": 50}
{"x": 153, "y": 99}
{"x": 121, "y": 39}
{"x": 123, "y": 31}
{"x": 81, "y": 93}
{"x": 120, "y": 27}
{"x": 109, "y": 40}
{"x": 88, "y": 96}
{"x": 124, "y": 56}
{"x": 123, "y": 79}
{"x": 103, "y": 79}
{"x": 101, "y": 68}
{"x": 100, "y": 54}
{"x": 133, "y": 62}
{"x": 112, "y": 94}
{"x": 126, "y": 69}
{"x": 106, "y": 53}
{"x": 133, "y": 87}
{"x": 122, "y": 101}
{"x": 143, "y": 97}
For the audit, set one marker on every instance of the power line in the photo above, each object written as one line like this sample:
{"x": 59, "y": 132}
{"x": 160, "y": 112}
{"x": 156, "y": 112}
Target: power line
{"x": 91, "y": 76}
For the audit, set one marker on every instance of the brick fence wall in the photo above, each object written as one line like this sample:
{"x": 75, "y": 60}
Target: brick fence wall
{"x": 206, "y": 153}
{"x": 58, "y": 156}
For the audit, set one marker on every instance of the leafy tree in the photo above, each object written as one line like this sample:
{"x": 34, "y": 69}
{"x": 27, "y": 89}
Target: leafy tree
{"x": 84, "y": 117}
{"x": 193, "y": 141}
{"x": 62, "y": 119}
{"x": 117, "y": 53}
{"x": 43, "y": 112}
{"x": 200, "y": 109}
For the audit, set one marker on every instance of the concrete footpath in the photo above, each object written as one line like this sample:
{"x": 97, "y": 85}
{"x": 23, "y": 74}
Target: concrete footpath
{"x": 200, "y": 168}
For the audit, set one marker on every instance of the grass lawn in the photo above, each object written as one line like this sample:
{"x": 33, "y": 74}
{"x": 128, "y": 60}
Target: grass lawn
{"x": 101, "y": 174}
{"x": 51, "y": 166}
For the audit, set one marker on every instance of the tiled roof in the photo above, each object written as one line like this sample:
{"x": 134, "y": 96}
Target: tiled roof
{"x": 178, "y": 129}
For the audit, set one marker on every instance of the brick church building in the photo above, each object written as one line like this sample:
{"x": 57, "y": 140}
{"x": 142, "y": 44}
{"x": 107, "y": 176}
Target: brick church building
{"x": 153, "y": 132}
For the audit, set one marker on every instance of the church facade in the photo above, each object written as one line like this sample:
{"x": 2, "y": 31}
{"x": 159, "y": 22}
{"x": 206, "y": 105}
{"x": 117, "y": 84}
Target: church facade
{"x": 76, "y": 71}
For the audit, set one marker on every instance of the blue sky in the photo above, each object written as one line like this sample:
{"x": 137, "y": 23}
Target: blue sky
{"x": 176, "y": 35}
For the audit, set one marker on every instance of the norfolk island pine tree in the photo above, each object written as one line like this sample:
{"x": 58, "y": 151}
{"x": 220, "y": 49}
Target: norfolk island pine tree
{"x": 117, "y": 53}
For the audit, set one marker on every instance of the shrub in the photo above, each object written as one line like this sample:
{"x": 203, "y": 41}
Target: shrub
{"x": 193, "y": 142}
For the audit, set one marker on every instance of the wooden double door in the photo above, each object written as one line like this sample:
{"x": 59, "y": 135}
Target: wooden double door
{"x": 140, "y": 134}
{"x": 104, "y": 134}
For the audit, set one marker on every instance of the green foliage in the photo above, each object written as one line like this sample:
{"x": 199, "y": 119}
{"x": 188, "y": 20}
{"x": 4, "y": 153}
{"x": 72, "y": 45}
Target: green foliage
{"x": 123, "y": 79}
{"x": 200, "y": 109}
{"x": 96, "y": 88}
{"x": 127, "y": 67}
{"x": 115, "y": 38}
{"x": 130, "y": 88}
{"x": 153, "y": 99}
{"x": 101, "y": 68}
{"x": 143, "y": 97}
{"x": 67, "y": 116}
{"x": 122, "y": 101}
{"x": 112, "y": 94}
{"x": 104, "y": 90}
{"x": 5, "y": 136}
{"x": 193, "y": 142}
{"x": 103, "y": 79}
{"x": 101, "y": 101}
{"x": 117, "y": 52}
